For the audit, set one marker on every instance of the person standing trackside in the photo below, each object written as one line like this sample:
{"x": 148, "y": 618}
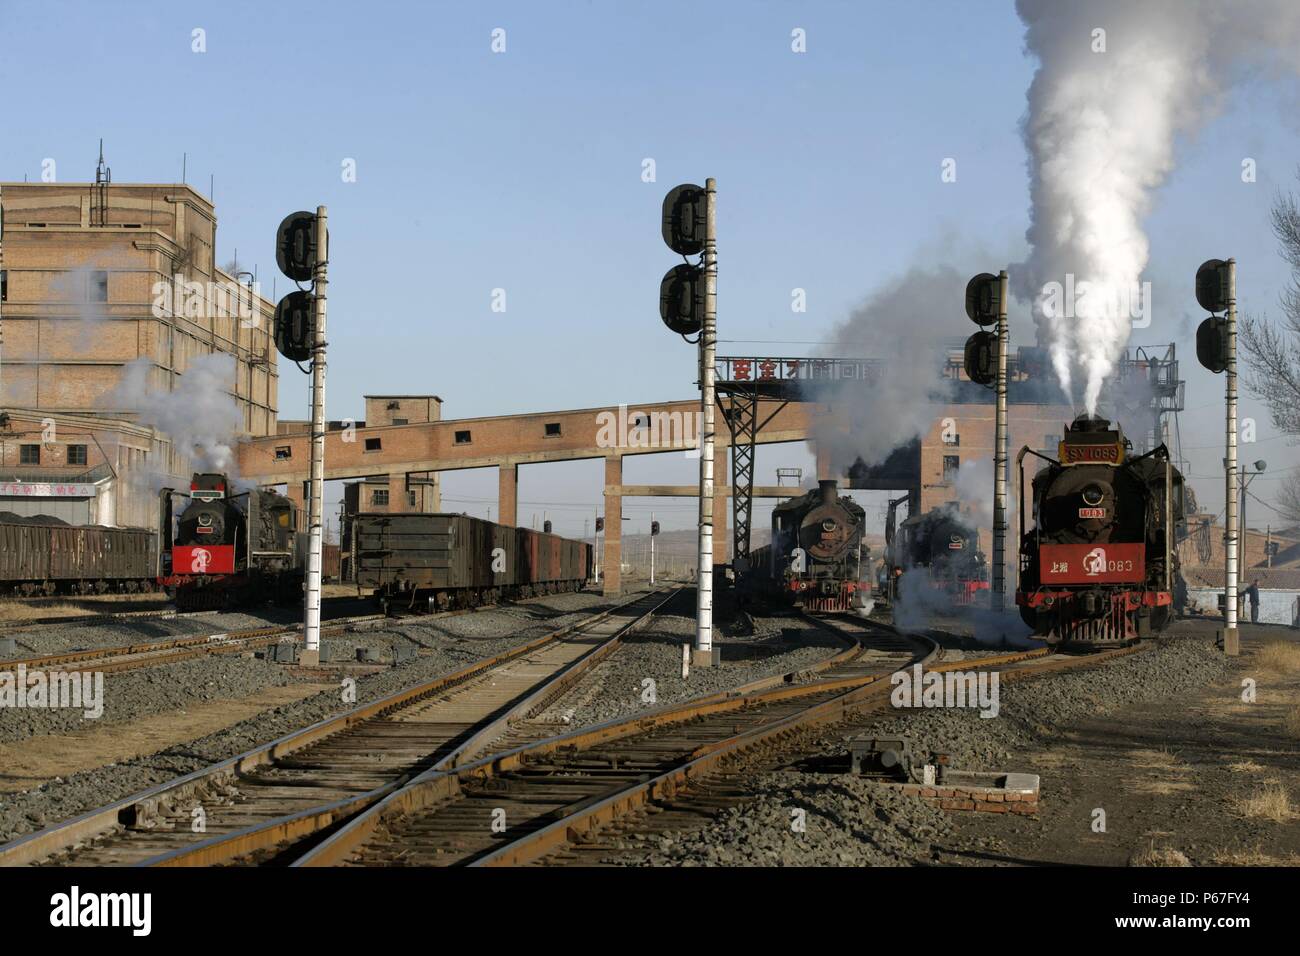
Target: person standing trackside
{"x": 1252, "y": 593}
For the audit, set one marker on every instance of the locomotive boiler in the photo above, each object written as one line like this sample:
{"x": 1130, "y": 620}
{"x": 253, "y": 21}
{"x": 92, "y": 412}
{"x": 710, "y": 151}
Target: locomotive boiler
{"x": 225, "y": 549}
{"x": 1098, "y": 567}
{"x": 816, "y": 557}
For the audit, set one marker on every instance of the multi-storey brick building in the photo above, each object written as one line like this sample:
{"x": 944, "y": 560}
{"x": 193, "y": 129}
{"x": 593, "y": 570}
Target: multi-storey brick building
{"x": 104, "y": 285}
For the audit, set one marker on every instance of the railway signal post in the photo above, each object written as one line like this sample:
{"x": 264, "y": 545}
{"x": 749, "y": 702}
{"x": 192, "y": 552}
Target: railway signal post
{"x": 1216, "y": 349}
{"x": 688, "y": 303}
{"x": 302, "y": 254}
{"x": 986, "y": 364}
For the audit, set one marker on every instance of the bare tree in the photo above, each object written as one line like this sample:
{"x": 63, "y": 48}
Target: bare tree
{"x": 1288, "y": 497}
{"x": 1273, "y": 369}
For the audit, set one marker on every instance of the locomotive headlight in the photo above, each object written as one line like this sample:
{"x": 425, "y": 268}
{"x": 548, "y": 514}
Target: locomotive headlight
{"x": 1093, "y": 495}
{"x": 205, "y": 520}
{"x": 829, "y": 525}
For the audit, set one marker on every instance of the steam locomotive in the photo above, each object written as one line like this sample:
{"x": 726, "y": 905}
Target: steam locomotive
{"x": 943, "y": 545}
{"x": 226, "y": 549}
{"x": 815, "y": 559}
{"x": 1098, "y": 569}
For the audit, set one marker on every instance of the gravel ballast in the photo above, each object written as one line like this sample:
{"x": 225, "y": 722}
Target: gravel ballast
{"x": 647, "y": 670}
{"x": 446, "y": 645}
{"x": 840, "y": 809}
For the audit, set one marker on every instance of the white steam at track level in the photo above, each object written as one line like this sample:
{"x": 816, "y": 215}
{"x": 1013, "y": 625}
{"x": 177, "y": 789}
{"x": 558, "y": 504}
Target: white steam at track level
{"x": 1118, "y": 82}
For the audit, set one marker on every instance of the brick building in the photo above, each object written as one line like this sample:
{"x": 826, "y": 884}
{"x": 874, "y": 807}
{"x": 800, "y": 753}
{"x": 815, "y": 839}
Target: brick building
{"x": 99, "y": 283}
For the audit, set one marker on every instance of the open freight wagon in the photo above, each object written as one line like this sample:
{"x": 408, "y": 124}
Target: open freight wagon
{"x": 441, "y": 561}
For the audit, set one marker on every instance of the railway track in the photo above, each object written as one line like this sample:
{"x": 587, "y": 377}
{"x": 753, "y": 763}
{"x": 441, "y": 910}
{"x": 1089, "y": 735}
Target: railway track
{"x": 293, "y": 788}
{"x": 548, "y": 800}
{"x": 90, "y": 620}
{"x": 170, "y": 651}
{"x": 155, "y": 653}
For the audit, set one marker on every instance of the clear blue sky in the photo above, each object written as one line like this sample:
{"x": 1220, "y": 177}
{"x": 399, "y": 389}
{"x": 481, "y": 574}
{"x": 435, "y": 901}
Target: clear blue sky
{"x": 522, "y": 171}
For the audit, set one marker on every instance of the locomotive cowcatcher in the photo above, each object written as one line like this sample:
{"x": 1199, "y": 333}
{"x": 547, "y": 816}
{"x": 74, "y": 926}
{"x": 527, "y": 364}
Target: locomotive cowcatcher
{"x": 228, "y": 550}
{"x": 1098, "y": 568}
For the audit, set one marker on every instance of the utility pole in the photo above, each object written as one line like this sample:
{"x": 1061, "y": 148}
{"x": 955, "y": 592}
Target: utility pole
{"x": 316, "y": 512}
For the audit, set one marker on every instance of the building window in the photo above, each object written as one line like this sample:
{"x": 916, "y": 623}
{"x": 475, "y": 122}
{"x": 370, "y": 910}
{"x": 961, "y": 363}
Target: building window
{"x": 98, "y": 286}
{"x": 76, "y": 454}
{"x": 954, "y": 439}
{"x": 374, "y": 444}
{"x": 379, "y": 497}
{"x": 951, "y": 463}
{"x": 410, "y": 498}
{"x": 462, "y": 438}
{"x": 4, "y": 285}
{"x": 393, "y": 406}
{"x": 400, "y": 421}
{"x": 552, "y": 429}
{"x": 283, "y": 452}
{"x": 29, "y": 454}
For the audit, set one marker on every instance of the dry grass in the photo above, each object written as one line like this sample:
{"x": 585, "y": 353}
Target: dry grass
{"x": 1282, "y": 657}
{"x": 1268, "y": 803}
{"x": 1291, "y": 722}
{"x": 1255, "y": 857}
{"x": 1158, "y": 856}
{"x": 1246, "y": 766}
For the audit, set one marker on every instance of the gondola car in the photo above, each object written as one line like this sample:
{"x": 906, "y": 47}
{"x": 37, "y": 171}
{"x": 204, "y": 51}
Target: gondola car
{"x": 444, "y": 561}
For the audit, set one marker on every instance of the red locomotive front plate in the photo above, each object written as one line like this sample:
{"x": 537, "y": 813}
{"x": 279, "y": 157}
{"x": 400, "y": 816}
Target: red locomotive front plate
{"x": 203, "y": 559}
{"x": 1092, "y": 563}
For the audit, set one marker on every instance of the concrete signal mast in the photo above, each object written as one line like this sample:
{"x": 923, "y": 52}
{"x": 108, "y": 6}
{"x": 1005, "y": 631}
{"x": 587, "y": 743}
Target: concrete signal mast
{"x": 986, "y": 364}
{"x": 688, "y": 304}
{"x": 1216, "y": 349}
{"x": 302, "y": 253}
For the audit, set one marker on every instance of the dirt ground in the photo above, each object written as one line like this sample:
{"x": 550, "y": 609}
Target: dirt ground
{"x": 1203, "y": 779}
{"x": 72, "y": 606}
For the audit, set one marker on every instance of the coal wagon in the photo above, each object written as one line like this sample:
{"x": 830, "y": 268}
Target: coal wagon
{"x": 443, "y": 561}
{"x": 44, "y": 555}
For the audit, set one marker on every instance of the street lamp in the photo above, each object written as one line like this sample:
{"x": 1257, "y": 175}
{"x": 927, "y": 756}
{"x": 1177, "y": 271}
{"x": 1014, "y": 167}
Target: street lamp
{"x": 1246, "y": 479}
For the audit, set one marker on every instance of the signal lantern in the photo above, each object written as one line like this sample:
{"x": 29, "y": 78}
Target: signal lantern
{"x": 981, "y": 360}
{"x": 685, "y": 216}
{"x": 654, "y": 528}
{"x": 600, "y": 525}
{"x": 681, "y": 299}
{"x": 1212, "y": 286}
{"x": 546, "y": 527}
{"x": 1212, "y": 344}
{"x": 983, "y": 293}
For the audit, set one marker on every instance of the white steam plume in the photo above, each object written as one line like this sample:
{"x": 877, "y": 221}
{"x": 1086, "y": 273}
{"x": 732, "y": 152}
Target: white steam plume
{"x": 199, "y": 414}
{"x": 904, "y": 324}
{"x": 1118, "y": 81}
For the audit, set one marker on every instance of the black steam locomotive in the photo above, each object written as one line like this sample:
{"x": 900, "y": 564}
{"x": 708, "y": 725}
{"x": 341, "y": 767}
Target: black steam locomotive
{"x": 943, "y": 545}
{"x": 1099, "y": 566}
{"x": 225, "y": 549}
{"x": 815, "y": 559}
